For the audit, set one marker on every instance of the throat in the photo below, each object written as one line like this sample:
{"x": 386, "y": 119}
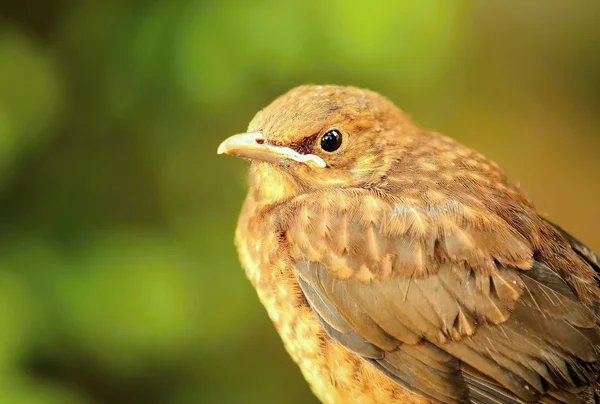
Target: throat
{"x": 271, "y": 184}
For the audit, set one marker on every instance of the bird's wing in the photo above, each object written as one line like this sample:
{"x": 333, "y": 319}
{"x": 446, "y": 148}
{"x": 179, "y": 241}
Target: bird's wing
{"x": 584, "y": 251}
{"x": 452, "y": 304}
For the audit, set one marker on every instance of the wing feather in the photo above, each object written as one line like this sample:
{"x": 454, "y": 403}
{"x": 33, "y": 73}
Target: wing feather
{"x": 462, "y": 311}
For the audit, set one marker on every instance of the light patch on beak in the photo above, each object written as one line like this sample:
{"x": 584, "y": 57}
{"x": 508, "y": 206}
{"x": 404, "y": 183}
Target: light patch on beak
{"x": 253, "y": 146}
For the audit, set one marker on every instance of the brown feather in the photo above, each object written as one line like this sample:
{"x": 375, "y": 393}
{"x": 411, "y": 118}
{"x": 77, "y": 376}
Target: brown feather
{"x": 410, "y": 269}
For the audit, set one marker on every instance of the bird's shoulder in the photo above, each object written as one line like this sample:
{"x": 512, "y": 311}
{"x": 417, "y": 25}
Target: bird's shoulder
{"x": 439, "y": 202}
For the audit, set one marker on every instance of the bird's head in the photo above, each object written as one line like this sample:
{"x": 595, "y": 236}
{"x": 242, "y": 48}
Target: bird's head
{"x": 317, "y": 137}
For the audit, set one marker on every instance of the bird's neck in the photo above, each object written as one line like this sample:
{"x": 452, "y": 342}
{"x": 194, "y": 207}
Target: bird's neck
{"x": 271, "y": 185}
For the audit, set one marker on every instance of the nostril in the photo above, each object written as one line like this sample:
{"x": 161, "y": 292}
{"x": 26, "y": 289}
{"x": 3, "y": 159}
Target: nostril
{"x": 260, "y": 141}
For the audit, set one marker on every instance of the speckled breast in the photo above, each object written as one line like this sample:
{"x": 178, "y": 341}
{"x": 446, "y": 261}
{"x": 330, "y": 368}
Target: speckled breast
{"x": 335, "y": 374}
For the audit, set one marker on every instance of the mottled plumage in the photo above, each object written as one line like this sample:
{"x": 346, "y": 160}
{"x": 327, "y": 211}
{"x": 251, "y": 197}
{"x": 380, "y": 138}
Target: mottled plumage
{"x": 409, "y": 269}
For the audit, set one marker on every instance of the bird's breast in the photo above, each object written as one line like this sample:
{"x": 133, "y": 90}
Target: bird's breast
{"x": 335, "y": 374}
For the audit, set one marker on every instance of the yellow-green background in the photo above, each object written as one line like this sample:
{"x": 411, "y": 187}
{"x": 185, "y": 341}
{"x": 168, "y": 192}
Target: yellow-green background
{"x": 119, "y": 282}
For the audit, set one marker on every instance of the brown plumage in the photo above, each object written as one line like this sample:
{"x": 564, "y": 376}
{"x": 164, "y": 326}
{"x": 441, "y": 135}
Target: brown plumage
{"x": 404, "y": 267}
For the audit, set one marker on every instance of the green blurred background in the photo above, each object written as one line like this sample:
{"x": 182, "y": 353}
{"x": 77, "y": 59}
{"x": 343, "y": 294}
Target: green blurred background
{"x": 119, "y": 282}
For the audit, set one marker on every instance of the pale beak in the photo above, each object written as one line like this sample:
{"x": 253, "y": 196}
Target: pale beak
{"x": 254, "y": 146}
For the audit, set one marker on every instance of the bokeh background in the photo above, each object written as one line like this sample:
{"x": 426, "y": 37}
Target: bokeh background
{"x": 119, "y": 282}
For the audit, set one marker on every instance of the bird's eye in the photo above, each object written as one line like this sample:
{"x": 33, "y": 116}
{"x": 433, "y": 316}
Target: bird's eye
{"x": 331, "y": 140}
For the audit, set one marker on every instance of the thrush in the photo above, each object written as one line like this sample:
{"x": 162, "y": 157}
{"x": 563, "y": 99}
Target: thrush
{"x": 400, "y": 266}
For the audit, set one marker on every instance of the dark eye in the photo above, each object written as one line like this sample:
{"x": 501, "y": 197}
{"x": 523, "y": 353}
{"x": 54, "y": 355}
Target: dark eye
{"x": 331, "y": 140}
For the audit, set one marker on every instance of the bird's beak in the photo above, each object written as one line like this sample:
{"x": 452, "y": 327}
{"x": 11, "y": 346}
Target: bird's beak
{"x": 254, "y": 146}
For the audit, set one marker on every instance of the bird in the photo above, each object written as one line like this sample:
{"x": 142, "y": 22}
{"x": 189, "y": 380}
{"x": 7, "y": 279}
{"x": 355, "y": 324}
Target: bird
{"x": 400, "y": 266}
